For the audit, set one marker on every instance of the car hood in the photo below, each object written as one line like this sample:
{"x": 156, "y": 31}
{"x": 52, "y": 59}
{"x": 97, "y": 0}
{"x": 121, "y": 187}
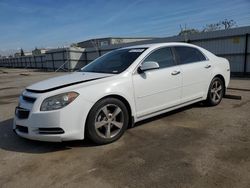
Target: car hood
{"x": 65, "y": 81}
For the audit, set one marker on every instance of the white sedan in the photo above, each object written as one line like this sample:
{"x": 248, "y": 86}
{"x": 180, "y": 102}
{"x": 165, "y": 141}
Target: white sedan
{"x": 118, "y": 89}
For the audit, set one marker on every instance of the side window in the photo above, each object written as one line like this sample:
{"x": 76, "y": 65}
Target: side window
{"x": 189, "y": 54}
{"x": 163, "y": 57}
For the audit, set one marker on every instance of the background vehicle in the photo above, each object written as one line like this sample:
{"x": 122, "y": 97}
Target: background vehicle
{"x": 122, "y": 87}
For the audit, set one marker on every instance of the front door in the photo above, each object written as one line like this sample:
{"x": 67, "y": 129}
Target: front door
{"x": 158, "y": 89}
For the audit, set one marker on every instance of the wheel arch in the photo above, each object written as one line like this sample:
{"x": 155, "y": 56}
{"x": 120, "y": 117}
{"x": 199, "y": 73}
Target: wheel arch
{"x": 122, "y": 99}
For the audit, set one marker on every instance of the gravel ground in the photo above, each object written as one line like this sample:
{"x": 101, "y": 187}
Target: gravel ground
{"x": 195, "y": 146}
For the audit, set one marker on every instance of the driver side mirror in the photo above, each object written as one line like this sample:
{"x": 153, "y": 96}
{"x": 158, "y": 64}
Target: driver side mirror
{"x": 148, "y": 65}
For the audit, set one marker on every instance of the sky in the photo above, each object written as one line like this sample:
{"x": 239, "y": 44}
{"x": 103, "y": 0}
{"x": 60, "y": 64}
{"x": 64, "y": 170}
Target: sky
{"x": 56, "y": 23}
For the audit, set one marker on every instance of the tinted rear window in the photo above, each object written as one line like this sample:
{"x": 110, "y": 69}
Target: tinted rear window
{"x": 189, "y": 54}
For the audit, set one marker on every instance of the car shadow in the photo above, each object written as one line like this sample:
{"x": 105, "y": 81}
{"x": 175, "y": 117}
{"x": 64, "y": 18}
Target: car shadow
{"x": 9, "y": 141}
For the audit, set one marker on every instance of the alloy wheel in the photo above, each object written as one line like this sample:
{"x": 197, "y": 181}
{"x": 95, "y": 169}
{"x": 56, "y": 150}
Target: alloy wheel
{"x": 109, "y": 121}
{"x": 216, "y": 91}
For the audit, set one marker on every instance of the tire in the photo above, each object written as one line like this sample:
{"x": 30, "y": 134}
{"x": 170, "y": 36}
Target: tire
{"x": 107, "y": 121}
{"x": 215, "y": 92}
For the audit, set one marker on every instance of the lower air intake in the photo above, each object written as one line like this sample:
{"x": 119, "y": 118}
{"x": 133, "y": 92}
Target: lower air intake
{"x": 50, "y": 131}
{"x": 22, "y": 129}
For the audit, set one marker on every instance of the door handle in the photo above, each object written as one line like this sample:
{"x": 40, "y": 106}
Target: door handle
{"x": 175, "y": 72}
{"x": 208, "y": 66}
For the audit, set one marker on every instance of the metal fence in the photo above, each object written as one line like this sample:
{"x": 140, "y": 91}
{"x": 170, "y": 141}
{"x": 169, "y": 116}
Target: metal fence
{"x": 66, "y": 59}
{"x": 232, "y": 44}
{"x": 24, "y": 62}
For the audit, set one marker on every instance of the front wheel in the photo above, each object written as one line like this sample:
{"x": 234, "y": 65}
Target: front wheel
{"x": 215, "y": 92}
{"x": 107, "y": 121}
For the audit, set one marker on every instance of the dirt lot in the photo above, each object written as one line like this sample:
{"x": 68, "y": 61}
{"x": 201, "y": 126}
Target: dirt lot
{"x": 195, "y": 146}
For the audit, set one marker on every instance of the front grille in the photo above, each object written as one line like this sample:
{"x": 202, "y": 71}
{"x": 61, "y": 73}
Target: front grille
{"x": 50, "y": 131}
{"x": 22, "y": 129}
{"x": 22, "y": 113}
{"x": 29, "y": 99}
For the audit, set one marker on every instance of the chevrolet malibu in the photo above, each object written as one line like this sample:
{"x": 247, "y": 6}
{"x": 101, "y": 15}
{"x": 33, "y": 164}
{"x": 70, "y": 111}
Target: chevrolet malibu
{"x": 118, "y": 89}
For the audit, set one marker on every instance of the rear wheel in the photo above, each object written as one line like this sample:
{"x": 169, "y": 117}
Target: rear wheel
{"x": 107, "y": 121}
{"x": 215, "y": 92}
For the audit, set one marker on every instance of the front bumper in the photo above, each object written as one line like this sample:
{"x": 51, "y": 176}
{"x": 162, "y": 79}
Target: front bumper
{"x": 47, "y": 138}
{"x": 33, "y": 127}
{"x": 53, "y": 126}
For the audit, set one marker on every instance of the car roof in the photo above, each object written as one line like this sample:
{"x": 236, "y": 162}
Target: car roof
{"x": 155, "y": 45}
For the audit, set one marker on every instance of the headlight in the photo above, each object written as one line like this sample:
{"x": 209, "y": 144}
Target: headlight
{"x": 58, "y": 101}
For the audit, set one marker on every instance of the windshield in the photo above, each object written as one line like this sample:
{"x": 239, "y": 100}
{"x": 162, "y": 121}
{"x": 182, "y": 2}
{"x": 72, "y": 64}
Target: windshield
{"x": 114, "y": 62}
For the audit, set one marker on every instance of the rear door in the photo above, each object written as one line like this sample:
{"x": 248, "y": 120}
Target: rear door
{"x": 196, "y": 72}
{"x": 158, "y": 89}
